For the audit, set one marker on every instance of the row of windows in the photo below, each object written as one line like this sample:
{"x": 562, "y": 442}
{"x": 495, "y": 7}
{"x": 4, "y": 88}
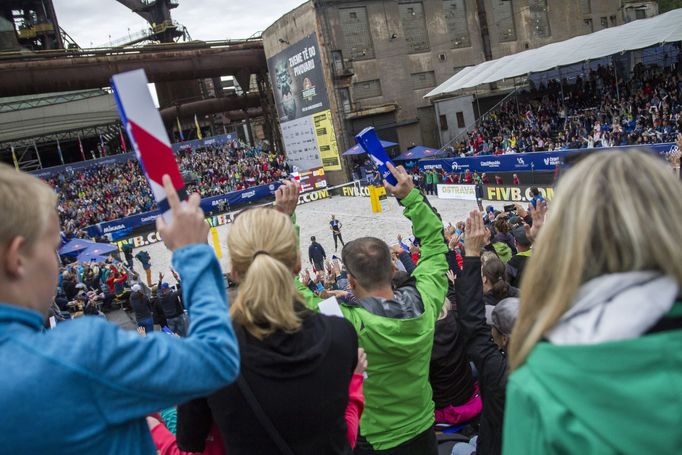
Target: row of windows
{"x": 370, "y": 89}
{"x": 358, "y": 39}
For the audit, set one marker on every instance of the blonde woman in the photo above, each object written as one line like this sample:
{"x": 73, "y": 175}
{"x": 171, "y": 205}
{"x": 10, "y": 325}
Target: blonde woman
{"x": 595, "y": 353}
{"x": 296, "y": 365}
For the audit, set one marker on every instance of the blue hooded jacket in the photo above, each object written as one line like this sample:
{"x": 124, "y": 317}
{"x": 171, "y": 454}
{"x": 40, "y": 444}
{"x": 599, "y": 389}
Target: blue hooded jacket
{"x": 87, "y": 385}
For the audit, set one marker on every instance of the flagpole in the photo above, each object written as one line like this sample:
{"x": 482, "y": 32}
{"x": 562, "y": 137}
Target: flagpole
{"x": 59, "y": 150}
{"x": 80, "y": 146}
{"x": 14, "y": 157}
{"x": 35, "y": 147}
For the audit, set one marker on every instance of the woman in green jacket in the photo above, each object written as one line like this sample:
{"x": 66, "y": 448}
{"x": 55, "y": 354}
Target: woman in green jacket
{"x": 596, "y": 352}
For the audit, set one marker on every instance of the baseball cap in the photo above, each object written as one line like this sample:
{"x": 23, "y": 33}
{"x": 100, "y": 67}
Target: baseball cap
{"x": 136, "y": 288}
{"x": 165, "y": 285}
{"x": 490, "y": 208}
{"x": 503, "y": 315}
{"x": 520, "y": 236}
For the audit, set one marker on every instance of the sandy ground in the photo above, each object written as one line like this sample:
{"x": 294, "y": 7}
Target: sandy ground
{"x": 313, "y": 218}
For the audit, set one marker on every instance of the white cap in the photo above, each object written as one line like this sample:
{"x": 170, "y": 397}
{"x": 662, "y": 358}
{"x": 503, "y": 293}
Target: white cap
{"x": 136, "y": 288}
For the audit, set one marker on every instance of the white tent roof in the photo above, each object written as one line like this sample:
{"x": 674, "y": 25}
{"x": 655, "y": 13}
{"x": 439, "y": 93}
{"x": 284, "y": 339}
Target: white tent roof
{"x": 666, "y": 28}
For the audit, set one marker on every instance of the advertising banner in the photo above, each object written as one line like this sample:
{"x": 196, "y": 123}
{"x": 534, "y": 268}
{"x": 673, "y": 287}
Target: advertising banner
{"x": 312, "y": 179}
{"x": 514, "y": 193}
{"x": 523, "y": 162}
{"x": 460, "y": 192}
{"x": 303, "y": 106}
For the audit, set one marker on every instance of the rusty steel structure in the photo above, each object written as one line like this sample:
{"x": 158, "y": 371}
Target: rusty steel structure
{"x": 63, "y": 70}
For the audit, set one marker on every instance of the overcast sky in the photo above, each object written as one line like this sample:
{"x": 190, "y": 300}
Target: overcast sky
{"x": 93, "y": 22}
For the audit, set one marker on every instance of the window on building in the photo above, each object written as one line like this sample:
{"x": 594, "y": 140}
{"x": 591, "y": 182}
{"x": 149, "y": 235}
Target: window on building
{"x": 344, "y": 100}
{"x": 503, "y": 13}
{"x": 640, "y": 14}
{"x": 426, "y": 79}
{"x": 460, "y": 120}
{"x": 356, "y": 35}
{"x": 539, "y": 18}
{"x": 604, "y": 23}
{"x": 455, "y": 12}
{"x": 443, "y": 122}
{"x": 589, "y": 26}
{"x": 367, "y": 89}
{"x": 586, "y": 6}
{"x": 613, "y": 20}
{"x": 414, "y": 26}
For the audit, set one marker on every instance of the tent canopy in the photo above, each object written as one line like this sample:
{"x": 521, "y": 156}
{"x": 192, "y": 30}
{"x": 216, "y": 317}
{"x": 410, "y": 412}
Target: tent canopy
{"x": 74, "y": 246}
{"x": 665, "y": 28}
{"x": 357, "y": 150}
{"x": 418, "y": 152}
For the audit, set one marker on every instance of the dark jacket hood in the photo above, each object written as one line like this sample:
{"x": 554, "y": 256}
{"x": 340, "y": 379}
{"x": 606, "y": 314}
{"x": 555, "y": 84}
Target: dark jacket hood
{"x": 287, "y": 355}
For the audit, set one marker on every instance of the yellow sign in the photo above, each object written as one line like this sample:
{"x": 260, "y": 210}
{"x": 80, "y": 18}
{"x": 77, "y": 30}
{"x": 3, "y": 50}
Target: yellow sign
{"x": 326, "y": 140}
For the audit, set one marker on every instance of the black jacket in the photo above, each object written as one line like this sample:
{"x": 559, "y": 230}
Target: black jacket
{"x": 300, "y": 380}
{"x": 449, "y": 373}
{"x": 515, "y": 268}
{"x": 316, "y": 253}
{"x": 490, "y": 362}
{"x": 171, "y": 305}
{"x": 140, "y": 304}
{"x": 490, "y": 299}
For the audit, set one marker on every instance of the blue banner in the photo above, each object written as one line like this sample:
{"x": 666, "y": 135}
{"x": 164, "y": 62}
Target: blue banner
{"x": 124, "y": 226}
{"x": 523, "y": 162}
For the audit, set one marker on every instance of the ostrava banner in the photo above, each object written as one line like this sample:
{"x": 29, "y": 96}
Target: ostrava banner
{"x": 523, "y": 162}
{"x": 514, "y": 193}
{"x": 460, "y": 192}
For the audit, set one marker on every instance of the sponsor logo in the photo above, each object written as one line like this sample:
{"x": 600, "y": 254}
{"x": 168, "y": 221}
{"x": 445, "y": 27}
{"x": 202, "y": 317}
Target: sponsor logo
{"x": 248, "y": 194}
{"x": 515, "y": 193}
{"x": 495, "y": 163}
{"x": 461, "y": 192}
{"x": 271, "y": 187}
{"x": 313, "y": 196}
{"x": 354, "y": 191}
{"x": 148, "y": 218}
{"x": 433, "y": 166}
{"x": 552, "y": 161}
{"x": 116, "y": 227}
{"x": 217, "y": 202}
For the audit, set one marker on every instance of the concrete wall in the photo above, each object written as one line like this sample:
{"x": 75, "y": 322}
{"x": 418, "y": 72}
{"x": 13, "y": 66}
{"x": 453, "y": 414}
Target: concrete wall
{"x": 449, "y": 108}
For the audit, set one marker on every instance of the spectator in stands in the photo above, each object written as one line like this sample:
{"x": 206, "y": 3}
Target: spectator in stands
{"x": 517, "y": 264}
{"x": 296, "y": 364}
{"x": 495, "y": 285}
{"x": 503, "y": 240}
{"x": 515, "y": 180}
{"x": 487, "y": 355}
{"x": 173, "y": 309}
{"x": 99, "y": 380}
{"x": 141, "y": 308}
{"x": 498, "y": 180}
{"x": 412, "y": 308}
{"x": 455, "y": 393}
{"x": 316, "y": 254}
{"x": 600, "y": 315}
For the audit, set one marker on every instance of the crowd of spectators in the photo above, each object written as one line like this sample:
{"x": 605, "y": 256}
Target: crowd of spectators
{"x": 595, "y": 111}
{"x": 108, "y": 192}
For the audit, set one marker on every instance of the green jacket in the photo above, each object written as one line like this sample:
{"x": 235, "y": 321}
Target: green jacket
{"x": 620, "y": 397}
{"x": 398, "y": 397}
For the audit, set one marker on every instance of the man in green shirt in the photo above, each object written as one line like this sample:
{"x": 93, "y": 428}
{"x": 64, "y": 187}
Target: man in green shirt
{"x": 396, "y": 327}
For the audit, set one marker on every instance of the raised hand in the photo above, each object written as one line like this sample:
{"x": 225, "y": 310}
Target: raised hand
{"x": 538, "y": 215}
{"x": 361, "y": 367}
{"x": 188, "y": 226}
{"x": 451, "y": 276}
{"x": 404, "y": 185}
{"x": 476, "y": 234}
{"x": 286, "y": 197}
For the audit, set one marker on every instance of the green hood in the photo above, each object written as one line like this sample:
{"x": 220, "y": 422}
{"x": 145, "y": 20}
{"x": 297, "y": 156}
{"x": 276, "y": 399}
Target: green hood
{"x": 615, "y": 397}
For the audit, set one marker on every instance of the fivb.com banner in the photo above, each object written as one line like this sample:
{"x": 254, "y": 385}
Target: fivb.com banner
{"x": 523, "y": 162}
{"x": 303, "y": 106}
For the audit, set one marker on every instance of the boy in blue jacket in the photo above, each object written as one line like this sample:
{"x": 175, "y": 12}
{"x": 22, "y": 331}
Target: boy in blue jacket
{"x": 87, "y": 385}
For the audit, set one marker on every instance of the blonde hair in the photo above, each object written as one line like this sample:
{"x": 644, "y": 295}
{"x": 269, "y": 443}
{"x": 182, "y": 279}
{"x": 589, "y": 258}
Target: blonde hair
{"x": 264, "y": 252}
{"x": 614, "y": 212}
{"x": 25, "y": 205}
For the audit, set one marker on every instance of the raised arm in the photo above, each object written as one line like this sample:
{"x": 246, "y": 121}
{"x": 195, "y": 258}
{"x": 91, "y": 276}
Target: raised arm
{"x": 430, "y": 272}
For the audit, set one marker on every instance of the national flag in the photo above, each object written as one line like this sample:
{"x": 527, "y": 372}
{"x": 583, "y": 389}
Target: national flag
{"x": 124, "y": 147}
{"x": 182, "y": 136}
{"x": 196, "y": 122}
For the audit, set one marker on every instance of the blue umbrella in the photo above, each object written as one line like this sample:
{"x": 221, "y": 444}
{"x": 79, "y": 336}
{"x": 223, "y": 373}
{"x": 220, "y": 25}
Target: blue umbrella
{"x": 88, "y": 257}
{"x": 74, "y": 246}
{"x": 357, "y": 150}
{"x": 418, "y": 152}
